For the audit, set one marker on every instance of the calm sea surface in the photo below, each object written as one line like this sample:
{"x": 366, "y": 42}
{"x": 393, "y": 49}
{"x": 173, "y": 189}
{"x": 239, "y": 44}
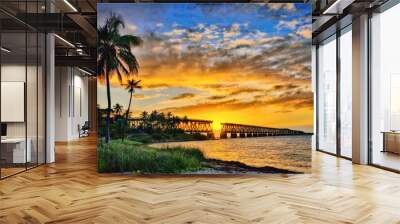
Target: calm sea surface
{"x": 284, "y": 152}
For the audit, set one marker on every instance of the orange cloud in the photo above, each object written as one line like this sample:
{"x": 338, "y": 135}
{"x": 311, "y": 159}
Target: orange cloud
{"x": 184, "y": 96}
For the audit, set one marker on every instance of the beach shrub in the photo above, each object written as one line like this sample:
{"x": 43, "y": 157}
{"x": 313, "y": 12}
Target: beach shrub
{"x": 133, "y": 156}
{"x": 158, "y": 136}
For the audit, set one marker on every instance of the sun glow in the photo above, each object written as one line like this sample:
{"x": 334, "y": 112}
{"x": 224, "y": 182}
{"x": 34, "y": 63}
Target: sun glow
{"x": 216, "y": 125}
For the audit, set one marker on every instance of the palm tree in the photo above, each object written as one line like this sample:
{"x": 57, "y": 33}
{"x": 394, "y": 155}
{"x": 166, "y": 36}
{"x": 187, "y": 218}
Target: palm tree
{"x": 176, "y": 121}
{"x": 145, "y": 119}
{"x": 117, "y": 109}
{"x": 170, "y": 123}
{"x": 153, "y": 119}
{"x": 115, "y": 57}
{"x": 131, "y": 86}
{"x": 161, "y": 120}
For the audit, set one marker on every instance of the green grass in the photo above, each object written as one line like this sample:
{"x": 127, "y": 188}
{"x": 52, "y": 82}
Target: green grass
{"x": 132, "y": 156}
{"x": 159, "y": 136}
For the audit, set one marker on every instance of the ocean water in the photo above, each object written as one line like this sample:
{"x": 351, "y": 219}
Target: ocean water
{"x": 285, "y": 152}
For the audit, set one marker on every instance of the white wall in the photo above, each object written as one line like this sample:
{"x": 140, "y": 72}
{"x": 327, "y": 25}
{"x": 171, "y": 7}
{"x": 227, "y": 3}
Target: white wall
{"x": 71, "y": 94}
{"x": 33, "y": 127}
{"x": 9, "y": 73}
{"x": 12, "y": 73}
{"x": 62, "y": 81}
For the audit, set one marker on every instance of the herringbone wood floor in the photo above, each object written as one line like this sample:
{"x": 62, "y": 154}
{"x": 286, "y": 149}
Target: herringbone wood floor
{"x": 70, "y": 191}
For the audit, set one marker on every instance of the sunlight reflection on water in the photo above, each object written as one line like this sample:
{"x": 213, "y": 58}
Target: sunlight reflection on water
{"x": 284, "y": 152}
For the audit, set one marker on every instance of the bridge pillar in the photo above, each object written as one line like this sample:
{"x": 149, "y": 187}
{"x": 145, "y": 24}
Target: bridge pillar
{"x": 233, "y": 135}
{"x": 242, "y": 135}
{"x": 223, "y": 135}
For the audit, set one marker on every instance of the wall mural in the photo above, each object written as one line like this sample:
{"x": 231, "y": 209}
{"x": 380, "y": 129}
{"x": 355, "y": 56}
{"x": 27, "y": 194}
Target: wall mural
{"x": 204, "y": 88}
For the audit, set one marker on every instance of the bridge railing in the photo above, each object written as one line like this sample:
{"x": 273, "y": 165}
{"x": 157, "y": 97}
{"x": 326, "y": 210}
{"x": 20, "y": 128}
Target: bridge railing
{"x": 187, "y": 125}
{"x": 205, "y": 126}
{"x": 250, "y": 130}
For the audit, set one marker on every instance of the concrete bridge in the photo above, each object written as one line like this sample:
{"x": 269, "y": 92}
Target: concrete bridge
{"x": 243, "y": 131}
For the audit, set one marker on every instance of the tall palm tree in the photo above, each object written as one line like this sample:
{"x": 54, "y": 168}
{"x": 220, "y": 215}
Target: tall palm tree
{"x": 131, "y": 86}
{"x": 115, "y": 57}
{"x": 117, "y": 109}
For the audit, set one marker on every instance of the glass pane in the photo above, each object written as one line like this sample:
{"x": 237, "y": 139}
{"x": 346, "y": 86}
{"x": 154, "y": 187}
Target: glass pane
{"x": 31, "y": 99}
{"x": 327, "y": 96}
{"x": 41, "y": 98}
{"x": 385, "y": 89}
{"x": 346, "y": 94}
{"x": 13, "y": 86}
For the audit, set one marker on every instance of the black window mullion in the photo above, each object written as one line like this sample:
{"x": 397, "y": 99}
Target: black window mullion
{"x": 317, "y": 96}
{"x": 369, "y": 96}
{"x": 26, "y": 86}
{"x": 37, "y": 90}
{"x": 338, "y": 77}
{"x": 0, "y": 94}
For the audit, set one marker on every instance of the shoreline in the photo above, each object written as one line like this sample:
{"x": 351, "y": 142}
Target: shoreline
{"x": 235, "y": 167}
{"x": 176, "y": 161}
{"x": 220, "y": 167}
{"x": 216, "y": 166}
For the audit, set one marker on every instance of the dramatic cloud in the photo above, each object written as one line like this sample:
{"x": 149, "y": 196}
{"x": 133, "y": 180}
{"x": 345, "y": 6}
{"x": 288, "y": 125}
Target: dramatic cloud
{"x": 244, "y": 90}
{"x": 184, "y": 96}
{"x": 129, "y": 29}
{"x": 138, "y": 96}
{"x": 220, "y": 97}
{"x": 224, "y": 65}
{"x": 285, "y": 87}
{"x": 282, "y": 6}
{"x": 292, "y": 24}
{"x": 305, "y": 31}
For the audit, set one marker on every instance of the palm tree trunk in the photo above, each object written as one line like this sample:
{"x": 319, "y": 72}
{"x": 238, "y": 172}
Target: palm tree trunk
{"x": 127, "y": 113}
{"x": 108, "y": 109}
{"x": 129, "y": 107}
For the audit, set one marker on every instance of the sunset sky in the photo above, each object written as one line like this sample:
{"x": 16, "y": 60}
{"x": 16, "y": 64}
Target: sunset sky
{"x": 238, "y": 63}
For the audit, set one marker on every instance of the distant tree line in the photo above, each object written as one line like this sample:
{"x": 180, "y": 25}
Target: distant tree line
{"x": 153, "y": 122}
{"x": 159, "y": 121}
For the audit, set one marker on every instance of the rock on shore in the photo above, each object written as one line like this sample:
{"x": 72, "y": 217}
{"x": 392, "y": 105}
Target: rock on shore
{"x": 233, "y": 167}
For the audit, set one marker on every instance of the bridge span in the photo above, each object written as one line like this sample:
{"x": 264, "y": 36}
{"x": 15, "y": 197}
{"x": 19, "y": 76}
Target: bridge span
{"x": 243, "y": 131}
{"x": 187, "y": 125}
{"x": 205, "y": 127}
